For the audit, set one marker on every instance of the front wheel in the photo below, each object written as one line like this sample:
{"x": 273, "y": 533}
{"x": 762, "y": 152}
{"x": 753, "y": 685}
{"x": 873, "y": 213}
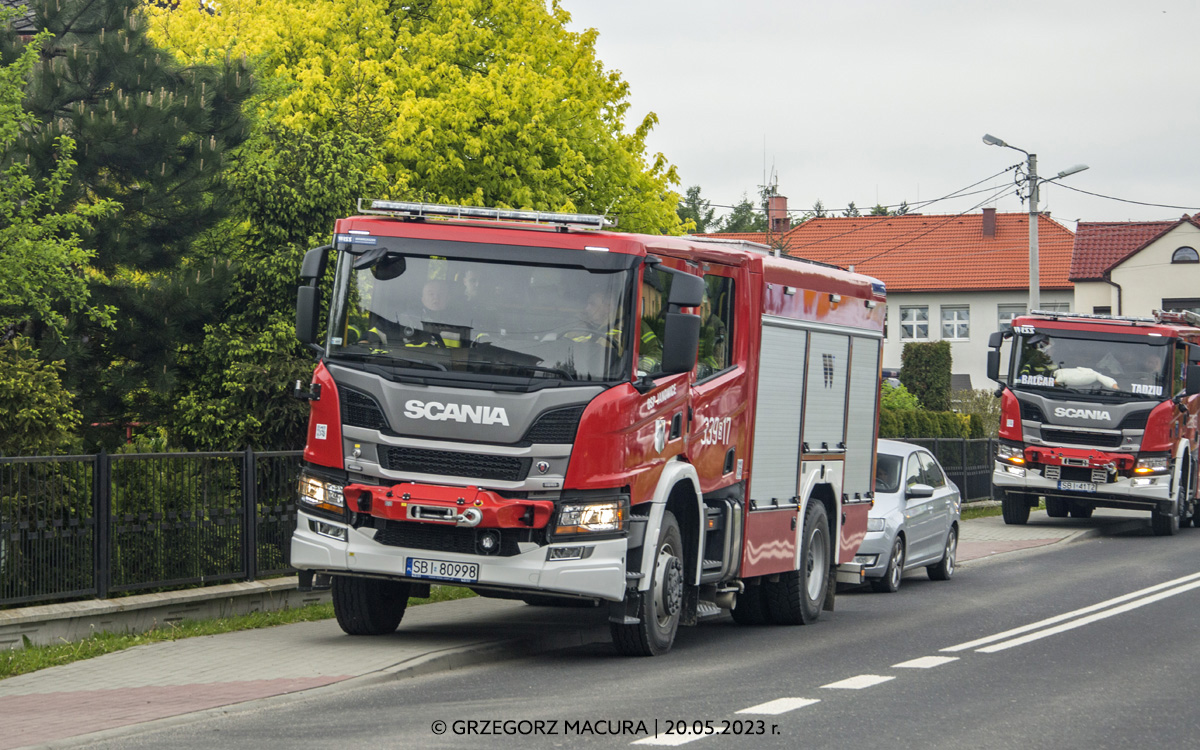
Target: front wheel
{"x": 654, "y": 633}
{"x": 1169, "y": 523}
{"x": 369, "y": 606}
{"x": 890, "y": 582}
{"x": 1015, "y": 508}
{"x": 796, "y": 598}
{"x": 944, "y": 569}
{"x": 1081, "y": 510}
{"x": 1057, "y": 507}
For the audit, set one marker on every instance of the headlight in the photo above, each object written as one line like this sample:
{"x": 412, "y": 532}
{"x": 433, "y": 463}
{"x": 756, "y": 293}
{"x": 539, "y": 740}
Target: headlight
{"x": 1013, "y": 454}
{"x": 580, "y": 518}
{"x": 318, "y": 493}
{"x": 1152, "y": 465}
{"x": 875, "y": 524}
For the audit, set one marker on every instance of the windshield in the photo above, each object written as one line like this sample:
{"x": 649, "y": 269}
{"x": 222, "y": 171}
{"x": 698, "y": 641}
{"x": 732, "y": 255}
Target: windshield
{"x": 478, "y": 316}
{"x": 1130, "y": 369}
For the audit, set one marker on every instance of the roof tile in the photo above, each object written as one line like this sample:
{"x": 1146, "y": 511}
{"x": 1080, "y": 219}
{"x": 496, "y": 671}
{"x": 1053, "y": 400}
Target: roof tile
{"x": 1100, "y": 245}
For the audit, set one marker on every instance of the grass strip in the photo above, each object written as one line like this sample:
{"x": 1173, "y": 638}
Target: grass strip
{"x": 32, "y": 657}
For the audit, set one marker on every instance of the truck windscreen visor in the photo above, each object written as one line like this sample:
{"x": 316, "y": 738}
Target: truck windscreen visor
{"x": 383, "y": 247}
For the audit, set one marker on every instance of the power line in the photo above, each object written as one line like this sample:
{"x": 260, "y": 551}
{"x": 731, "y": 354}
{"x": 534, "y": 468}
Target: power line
{"x": 1126, "y": 200}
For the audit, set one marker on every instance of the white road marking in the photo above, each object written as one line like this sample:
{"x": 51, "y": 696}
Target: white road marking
{"x": 779, "y": 706}
{"x": 1088, "y": 620}
{"x": 859, "y": 682}
{"x": 1060, "y": 618}
{"x": 674, "y": 740}
{"x": 925, "y": 662}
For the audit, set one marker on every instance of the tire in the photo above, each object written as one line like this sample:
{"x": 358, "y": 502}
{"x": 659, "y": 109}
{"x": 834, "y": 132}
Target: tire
{"x": 797, "y": 597}
{"x": 1168, "y": 524}
{"x": 943, "y": 570}
{"x": 1015, "y": 508}
{"x": 751, "y": 607}
{"x": 1057, "y": 507}
{"x": 369, "y": 606}
{"x": 1081, "y": 510}
{"x": 890, "y": 582}
{"x": 661, "y": 604}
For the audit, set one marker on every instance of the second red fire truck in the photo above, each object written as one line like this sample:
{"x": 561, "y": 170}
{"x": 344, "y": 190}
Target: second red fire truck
{"x": 529, "y": 406}
{"x": 1099, "y": 411}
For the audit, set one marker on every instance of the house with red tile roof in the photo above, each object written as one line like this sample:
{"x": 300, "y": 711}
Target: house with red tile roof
{"x": 1134, "y": 268}
{"x": 955, "y": 277}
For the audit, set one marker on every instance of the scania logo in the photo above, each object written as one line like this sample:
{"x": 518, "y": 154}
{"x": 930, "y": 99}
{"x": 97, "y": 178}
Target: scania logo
{"x": 1082, "y": 413}
{"x": 439, "y": 412}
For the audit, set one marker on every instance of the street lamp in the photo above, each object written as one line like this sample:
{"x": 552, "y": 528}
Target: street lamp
{"x": 1034, "y": 182}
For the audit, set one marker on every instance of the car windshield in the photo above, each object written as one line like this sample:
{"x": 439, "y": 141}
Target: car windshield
{"x": 485, "y": 317}
{"x": 1044, "y": 361}
{"x": 887, "y": 473}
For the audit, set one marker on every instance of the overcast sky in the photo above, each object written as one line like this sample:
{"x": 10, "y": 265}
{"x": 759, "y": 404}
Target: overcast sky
{"x": 877, "y": 101}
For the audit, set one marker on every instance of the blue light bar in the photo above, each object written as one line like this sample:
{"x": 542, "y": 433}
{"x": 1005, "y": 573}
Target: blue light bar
{"x": 424, "y": 210}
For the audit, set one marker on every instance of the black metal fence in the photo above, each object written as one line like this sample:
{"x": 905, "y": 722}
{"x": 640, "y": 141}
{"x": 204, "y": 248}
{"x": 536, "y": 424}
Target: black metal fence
{"x": 77, "y": 526}
{"x": 968, "y": 462}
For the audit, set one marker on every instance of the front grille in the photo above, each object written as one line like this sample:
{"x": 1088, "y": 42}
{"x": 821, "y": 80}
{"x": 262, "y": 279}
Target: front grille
{"x": 1076, "y": 474}
{"x": 451, "y": 463}
{"x": 450, "y": 538}
{"x": 557, "y": 426}
{"x": 1135, "y": 421}
{"x": 1032, "y": 412}
{"x": 361, "y": 410}
{"x": 1097, "y": 439}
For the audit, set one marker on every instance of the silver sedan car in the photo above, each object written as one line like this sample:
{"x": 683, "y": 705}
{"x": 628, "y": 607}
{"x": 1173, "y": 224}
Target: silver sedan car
{"x": 914, "y": 522}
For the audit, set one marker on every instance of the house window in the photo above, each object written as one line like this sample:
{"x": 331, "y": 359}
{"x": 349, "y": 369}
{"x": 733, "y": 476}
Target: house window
{"x": 956, "y": 322}
{"x": 1005, "y": 315}
{"x": 1102, "y": 310}
{"x": 1058, "y": 307}
{"x": 1180, "y": 304}
{"x": 1185, "y": 255}
{"x": 914, "y": 323}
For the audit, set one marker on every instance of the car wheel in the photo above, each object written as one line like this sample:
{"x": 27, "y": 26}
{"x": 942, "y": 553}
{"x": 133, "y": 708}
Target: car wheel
{"x": 1081, "y": 510}
{"x": 368, "y": 606}
{"x": 1168, "y": 524}
{"x": 751, "y": 606}
{"x": 796, "y": 598}
{"x": 945, "y": 569}
{"x": 890, "y": 583}
{"x": 661, "y": 604}
{"x": 1057, "y": 507}
{"x": 1015, "y": 508}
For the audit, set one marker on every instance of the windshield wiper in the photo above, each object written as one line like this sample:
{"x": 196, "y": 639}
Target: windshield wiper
{"x": 374, "y": 358}
{"x": 563, "y": 374}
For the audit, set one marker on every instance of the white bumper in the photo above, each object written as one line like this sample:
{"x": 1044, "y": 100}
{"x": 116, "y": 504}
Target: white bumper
{"x": 601, "y": 574}
{"x": 1155, "y": 490}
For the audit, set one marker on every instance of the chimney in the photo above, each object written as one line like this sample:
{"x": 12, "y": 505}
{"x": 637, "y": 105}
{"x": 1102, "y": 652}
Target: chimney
{"x": 989, "y": 222}
{"x": 777, "y": 214}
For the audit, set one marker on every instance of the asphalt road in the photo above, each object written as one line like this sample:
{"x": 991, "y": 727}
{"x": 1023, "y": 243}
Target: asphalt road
{"x": 932, "y": 666}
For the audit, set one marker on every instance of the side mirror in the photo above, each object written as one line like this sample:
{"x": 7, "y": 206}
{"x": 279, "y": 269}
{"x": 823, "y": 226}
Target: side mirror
{"x": 681, "y": 341}
{"x": 919, "y": 491}
{"x": 686, "y": 290}
{"x": 995, "y": 340}
{"x": 308, "y": 302}
{"x": 993, "y": 364}
{"x": 313, "y": 266}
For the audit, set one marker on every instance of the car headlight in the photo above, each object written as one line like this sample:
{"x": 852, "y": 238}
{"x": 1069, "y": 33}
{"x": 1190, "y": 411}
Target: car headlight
{"x": 591, "y": 518}
{"x": 1152, "y": 465}
{"x": 1013, "y": 454}
{"x": 317, "y": 493}
{"x": 875, "y": 524}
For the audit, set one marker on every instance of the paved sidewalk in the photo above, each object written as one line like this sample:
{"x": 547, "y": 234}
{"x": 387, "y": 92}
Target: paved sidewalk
{"x": 181, "y": 677}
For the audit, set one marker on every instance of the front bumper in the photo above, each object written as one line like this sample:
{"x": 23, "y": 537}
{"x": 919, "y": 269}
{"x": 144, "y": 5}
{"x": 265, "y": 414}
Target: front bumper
{"x": 601, "y": 574}
{"x": 1149, "y": 493}
{"x": 873, "y": 554}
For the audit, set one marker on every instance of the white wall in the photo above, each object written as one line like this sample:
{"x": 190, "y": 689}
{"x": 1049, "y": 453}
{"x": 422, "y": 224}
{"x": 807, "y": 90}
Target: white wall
{"x": 970, "y": 354}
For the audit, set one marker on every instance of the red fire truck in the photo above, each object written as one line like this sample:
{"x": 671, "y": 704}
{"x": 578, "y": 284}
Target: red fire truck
{"x": 1099, "y": 411}
{"x": 529, "y": 406}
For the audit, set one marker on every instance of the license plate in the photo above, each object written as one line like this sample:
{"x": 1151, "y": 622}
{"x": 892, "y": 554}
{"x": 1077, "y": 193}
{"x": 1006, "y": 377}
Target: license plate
{"x": 442, "y": 570}
{"x": 1078, "y": 486}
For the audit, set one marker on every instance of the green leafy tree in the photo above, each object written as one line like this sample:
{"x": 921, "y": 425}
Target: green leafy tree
{"x": 151, "y": 138}
{"x": 818, "y": 210}
{"x": 697, "y": 210}
{"x": 880, "y": 210}
{"x": 902, "y": 209}
{"x": 744, "y": 217}
{"x": 925, "y": 372}
{"x": 851, "y": 211}
{"x": 898, "y": 398}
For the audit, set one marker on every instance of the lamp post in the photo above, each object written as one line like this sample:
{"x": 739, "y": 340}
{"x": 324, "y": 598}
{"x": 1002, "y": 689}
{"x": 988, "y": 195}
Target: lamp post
{"x": 1034, "y": 183}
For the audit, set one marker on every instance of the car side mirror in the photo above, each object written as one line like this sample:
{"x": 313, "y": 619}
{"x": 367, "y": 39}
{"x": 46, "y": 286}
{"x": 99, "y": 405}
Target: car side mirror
{"x": 918, "y": 491}
{"x": 308, "y": 302}
{"x": 993, "y": 364}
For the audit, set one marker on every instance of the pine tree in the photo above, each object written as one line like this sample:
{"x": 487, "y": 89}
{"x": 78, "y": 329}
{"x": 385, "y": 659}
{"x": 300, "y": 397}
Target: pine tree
{"x": 152, "y": 136}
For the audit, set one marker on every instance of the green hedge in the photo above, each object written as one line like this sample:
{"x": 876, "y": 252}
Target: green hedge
{"x": 896, "y": 423}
